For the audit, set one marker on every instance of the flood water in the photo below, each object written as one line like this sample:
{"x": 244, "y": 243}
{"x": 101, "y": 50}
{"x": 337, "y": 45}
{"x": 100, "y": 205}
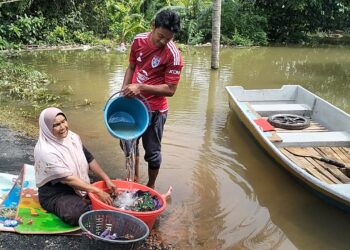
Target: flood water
{"x": 227, "y": 192}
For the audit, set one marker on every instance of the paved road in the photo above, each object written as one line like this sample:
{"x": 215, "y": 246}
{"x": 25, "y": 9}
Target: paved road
{"x": 15, "y": 150}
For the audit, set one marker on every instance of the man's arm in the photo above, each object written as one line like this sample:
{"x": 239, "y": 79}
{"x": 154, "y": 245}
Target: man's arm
{"x": 128, "y": 76}
{"x": 162, "y": 89}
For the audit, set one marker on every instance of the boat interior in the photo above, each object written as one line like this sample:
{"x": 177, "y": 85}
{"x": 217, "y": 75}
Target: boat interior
{"x": 327, "y": 136}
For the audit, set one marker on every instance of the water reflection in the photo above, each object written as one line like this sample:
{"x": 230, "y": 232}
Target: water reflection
{"x": 228, "y": 193}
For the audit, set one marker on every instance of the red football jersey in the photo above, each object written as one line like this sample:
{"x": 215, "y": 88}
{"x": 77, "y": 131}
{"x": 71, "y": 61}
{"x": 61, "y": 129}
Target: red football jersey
{"x": 155, "y": 66}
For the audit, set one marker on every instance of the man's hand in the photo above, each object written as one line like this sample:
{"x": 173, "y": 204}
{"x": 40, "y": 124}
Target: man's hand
{"x": 135, "y": 89}
{"x": 132, "y": 90}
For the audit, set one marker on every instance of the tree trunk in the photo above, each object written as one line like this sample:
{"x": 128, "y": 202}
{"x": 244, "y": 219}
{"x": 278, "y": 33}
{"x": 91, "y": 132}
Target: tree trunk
{"x": 215, "y": 34}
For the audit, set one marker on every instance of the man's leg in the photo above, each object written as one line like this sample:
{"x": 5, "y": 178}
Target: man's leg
{"x": 151, "y": 141}
{"x": 152, "y": 177}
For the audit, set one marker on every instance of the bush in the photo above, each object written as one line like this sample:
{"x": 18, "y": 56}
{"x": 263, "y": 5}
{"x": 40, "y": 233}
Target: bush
{"x": 86, "y": 37}
{"x": 237, "y": 39}
{"x": 259, "y": 38}
{"x": 3, "y": 43}
{"x": 58, "y": 35}
{"x": 24, "y": 30}
{"x": 243, "y": 24}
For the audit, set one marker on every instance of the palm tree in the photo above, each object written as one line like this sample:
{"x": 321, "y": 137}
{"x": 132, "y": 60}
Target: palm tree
{"x": 215, "y": 34}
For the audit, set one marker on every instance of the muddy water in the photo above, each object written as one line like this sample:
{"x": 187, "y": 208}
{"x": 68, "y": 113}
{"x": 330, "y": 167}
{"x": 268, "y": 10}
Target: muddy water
{"x": 227, "y": 192}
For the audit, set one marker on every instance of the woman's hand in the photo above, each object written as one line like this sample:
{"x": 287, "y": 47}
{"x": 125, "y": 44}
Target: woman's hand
{"x": 111, "y": 187}
{"x": 104, "y": 197}
{"x": 96, "y": 168}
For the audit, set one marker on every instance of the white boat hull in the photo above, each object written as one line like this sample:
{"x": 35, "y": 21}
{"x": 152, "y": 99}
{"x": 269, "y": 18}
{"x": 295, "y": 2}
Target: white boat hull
{"x": 294, "y": 99}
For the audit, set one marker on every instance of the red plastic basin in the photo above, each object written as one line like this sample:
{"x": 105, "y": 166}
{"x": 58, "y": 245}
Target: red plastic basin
{"x": 148, "y": 217}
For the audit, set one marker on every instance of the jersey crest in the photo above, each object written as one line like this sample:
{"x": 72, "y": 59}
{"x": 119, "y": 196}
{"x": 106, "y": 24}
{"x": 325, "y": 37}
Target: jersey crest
{"x": 155, "y": 61}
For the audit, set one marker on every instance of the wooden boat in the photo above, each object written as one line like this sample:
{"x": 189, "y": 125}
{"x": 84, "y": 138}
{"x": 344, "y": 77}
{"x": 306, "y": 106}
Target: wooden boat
{"x": 318, "y": 155}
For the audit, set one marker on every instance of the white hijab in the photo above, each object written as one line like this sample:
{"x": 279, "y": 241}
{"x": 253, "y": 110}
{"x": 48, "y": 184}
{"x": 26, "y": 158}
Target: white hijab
{"x": 57, "y": 158}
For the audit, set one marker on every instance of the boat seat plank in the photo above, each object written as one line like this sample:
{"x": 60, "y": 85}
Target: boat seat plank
{"x": 281, "y": 130}
{"x": 315, "y": 139}
{"x": 272, "y": 109}
{"x": 307, "y": 166}
{"x": 314, "y": 127}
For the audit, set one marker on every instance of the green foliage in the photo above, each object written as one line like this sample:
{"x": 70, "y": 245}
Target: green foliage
{"x": 58, "y": 35}
{"x": 14, "y": 8}
{"x": 191, "y": 27}
{"x": 24, "y": 29}
{"x": 84, "y": 37}
{"x": 105, "y": 43}
{"x": 237, "y": 39}
{"x": 242, "y": 22}
{"x": 204, "y": 22}
{"x": 291, "y": 21}
{"x": 4, "y": 44}
{"x": 126, "y": 19}
{"x": 196, "y": 38}
{"x": 30, "y": 28}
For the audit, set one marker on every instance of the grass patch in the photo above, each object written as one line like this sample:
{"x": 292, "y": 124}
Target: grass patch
{"x": 18, "y": 120}
{"x": 23, "y": 94}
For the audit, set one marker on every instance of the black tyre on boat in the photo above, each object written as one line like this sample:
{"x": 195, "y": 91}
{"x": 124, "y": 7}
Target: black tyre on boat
{"x": 289, "y": 121}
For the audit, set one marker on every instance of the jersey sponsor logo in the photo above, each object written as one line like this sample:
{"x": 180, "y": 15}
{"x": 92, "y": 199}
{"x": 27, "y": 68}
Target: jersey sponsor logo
{"x": 174, "y": 71}
{"x": 142, "y": 76}
{"x": 155, "y": 61}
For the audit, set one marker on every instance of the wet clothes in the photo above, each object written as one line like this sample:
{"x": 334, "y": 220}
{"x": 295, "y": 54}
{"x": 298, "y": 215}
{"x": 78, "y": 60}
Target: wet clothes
{"x": 142, "y": 201}
{"x": 62, "y": 200}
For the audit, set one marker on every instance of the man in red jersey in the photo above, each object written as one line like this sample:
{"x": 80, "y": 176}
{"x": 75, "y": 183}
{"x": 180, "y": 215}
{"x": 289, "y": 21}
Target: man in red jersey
{"x": 154, "y": 70}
